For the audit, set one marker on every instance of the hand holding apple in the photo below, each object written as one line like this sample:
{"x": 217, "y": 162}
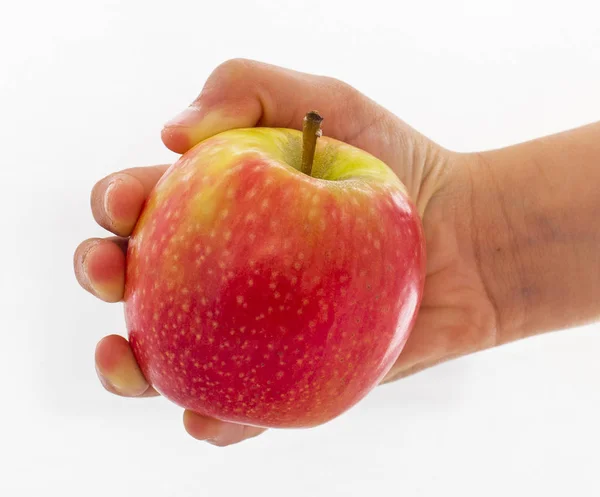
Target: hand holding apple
{"x": 243, "y": 94}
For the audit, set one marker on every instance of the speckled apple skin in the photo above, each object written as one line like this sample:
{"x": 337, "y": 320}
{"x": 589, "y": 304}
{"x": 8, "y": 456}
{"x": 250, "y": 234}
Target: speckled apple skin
{"x": 260, "y": 295}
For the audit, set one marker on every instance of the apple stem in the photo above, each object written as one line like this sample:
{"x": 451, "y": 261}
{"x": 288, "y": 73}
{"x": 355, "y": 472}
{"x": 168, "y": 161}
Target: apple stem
{"x": 311, "y": 130}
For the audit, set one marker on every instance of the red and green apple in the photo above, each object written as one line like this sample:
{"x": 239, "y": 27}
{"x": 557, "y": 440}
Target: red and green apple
{"x": 267, "y": 288}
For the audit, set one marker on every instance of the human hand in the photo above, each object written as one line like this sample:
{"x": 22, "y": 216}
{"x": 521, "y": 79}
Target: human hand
{"x": 456, "y": 315}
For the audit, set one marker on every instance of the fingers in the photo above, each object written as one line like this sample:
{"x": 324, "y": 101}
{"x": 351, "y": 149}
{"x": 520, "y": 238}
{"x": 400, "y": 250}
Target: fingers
{"x": 118, "y": 199}
{"x": 120, "y": 374}
{"x": 242, "y": 93}
{"x": 100, "y": 267}
{"x": 118, "y": 370}
{"x": 217, "y": 432}
{"x": 116, "y": 204}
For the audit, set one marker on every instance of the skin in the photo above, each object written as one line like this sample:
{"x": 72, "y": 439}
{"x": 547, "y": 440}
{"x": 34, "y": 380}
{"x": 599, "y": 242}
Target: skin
{"x": 512, "y": 234}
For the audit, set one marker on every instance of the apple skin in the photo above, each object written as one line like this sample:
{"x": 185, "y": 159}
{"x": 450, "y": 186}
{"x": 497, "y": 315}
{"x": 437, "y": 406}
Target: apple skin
{"x": 260, "y": 295}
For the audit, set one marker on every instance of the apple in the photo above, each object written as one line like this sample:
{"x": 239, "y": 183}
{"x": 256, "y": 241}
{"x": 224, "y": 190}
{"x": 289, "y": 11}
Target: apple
{"x": 273, "y": 277}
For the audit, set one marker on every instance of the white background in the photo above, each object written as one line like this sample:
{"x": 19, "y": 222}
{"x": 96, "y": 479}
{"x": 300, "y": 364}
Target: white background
{"x": 84, "y": 90}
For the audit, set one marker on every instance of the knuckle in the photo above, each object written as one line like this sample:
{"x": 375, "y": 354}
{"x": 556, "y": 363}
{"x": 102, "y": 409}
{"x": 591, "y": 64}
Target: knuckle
{"x": 341, "y": 88}
{"x": 226, "y": 76}
{"x": 232, "y": 68}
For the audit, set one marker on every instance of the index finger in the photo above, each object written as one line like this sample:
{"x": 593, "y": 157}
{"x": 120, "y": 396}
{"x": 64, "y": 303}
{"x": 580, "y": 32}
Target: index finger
{"x": 244, "y": 93}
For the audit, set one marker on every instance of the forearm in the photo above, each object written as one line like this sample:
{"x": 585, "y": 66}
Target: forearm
{"x": 536, "y": 231}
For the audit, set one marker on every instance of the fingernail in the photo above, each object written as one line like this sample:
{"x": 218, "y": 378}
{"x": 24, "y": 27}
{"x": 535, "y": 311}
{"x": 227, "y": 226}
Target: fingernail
{"x": 103, "y": 291}
{"x": 94, "y": 288}
{"x": 102, "y": 379}
{"x": 189, "y": 117}
{"x": 126, "y": 382}
{"x": 115, "y": 181}
{"x": 84, "y": 261}
{"x": 107, "y": 194}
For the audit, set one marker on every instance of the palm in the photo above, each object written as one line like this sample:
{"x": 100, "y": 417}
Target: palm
{"x": 456, "y": 316}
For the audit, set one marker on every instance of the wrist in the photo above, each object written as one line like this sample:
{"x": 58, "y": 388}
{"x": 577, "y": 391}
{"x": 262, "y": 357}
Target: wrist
{"x": 535, "y": 231}
{"x": 513, "y": 246}
{"x": 494, "y": 215}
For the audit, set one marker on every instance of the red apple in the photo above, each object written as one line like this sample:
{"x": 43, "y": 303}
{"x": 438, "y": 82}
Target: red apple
{"x": 259, "y": 294}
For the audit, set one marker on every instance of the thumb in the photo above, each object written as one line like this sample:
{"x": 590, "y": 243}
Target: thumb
{"x": 243, "y": 93}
